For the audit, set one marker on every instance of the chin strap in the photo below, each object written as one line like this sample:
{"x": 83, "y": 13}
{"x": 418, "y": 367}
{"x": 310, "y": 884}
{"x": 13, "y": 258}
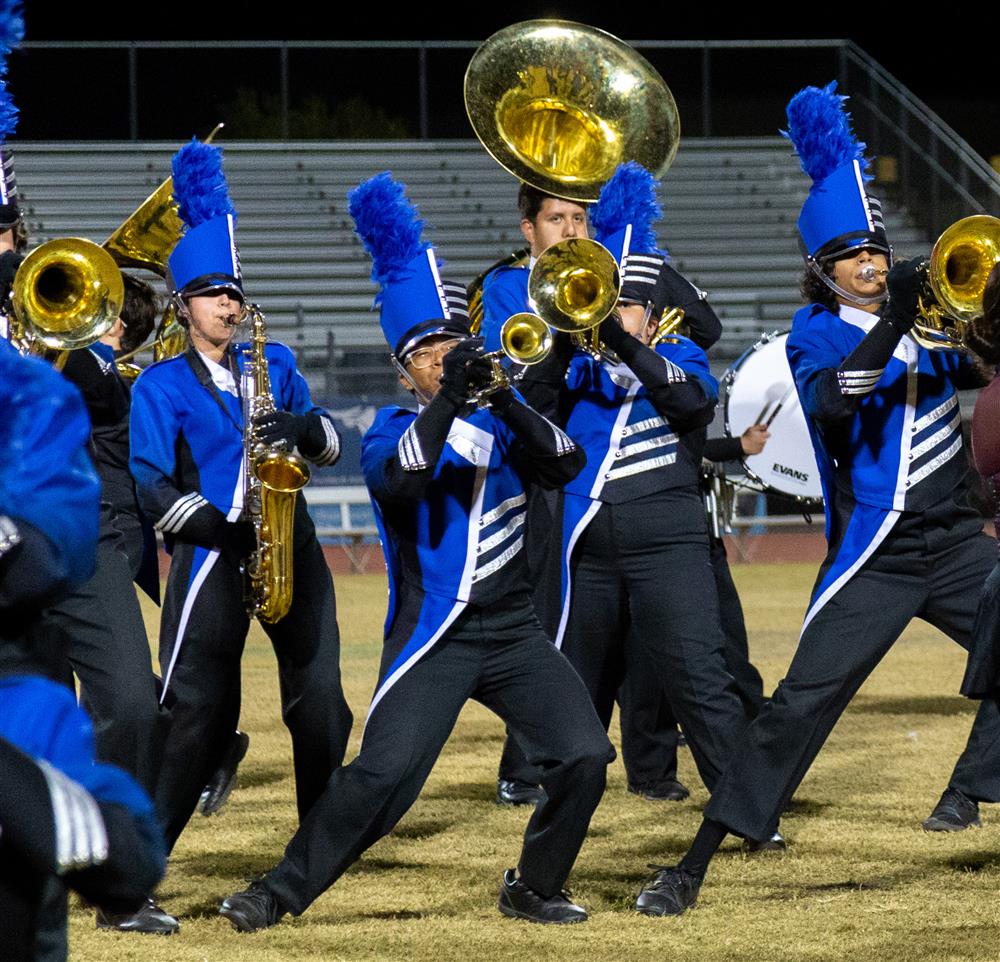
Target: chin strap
{"x": 815, "y": 267}
{"x": 421, "y": 397}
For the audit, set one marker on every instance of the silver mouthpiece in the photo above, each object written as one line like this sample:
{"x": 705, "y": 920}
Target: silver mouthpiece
{"x": 870, "y": 273}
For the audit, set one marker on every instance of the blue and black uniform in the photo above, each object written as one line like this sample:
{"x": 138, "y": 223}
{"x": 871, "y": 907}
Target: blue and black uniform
{"x": 448, "y": 486}
{"x": 903, "y": 543}
{"x": 631, "y": 523}
{"x": 100, "y": 625}
{"x": 187, "y": 455}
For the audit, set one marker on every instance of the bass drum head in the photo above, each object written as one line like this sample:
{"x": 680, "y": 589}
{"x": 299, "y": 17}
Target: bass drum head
{"x": 759, "y": 386}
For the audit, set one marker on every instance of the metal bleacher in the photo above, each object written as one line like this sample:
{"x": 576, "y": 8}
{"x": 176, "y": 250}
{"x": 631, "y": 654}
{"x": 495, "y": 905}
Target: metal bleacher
{"x": 730, "y": 204}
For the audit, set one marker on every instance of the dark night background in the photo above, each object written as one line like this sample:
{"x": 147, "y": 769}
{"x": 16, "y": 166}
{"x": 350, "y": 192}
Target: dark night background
{"x": 77, "y": 94}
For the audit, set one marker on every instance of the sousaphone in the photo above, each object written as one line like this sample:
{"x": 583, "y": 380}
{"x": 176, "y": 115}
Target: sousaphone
{"x": 560, "y": 105}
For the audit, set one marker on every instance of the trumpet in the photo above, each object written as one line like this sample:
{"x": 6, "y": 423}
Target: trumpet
{"x": 956, "y": 273}
{"x": 525, "y": 338}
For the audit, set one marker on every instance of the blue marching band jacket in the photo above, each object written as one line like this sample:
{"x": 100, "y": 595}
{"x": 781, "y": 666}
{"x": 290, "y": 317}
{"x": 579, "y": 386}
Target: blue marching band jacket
{"x": 46, "y": 463}
{"x": 505, "y": 292}
{"x": 187, "y": 448}
{"x": 897, "y": 448}
{"x": 633, "y": 448}
{"x": 459, "y": 539}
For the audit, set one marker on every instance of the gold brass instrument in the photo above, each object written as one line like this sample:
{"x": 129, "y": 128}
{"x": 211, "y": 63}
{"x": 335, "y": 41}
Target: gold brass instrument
{"x": 66, "y": 294}
{"x": 575, "y": 285}
{"x": 956, "y": 274}
{"x": 560, "y": 105}
{"x": 669, "y": 325}
{"x": 272, "y": 480}
{"x": 524, "y": 338}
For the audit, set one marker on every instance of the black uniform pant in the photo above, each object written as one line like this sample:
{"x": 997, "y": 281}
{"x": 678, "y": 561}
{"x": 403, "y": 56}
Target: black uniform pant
{"x": 201, "y": 675}
{"x": 500, "y": 657}
{"x": 932, "y": 566}
{"x": 642, "y": 580}
{"x": 648, "y": 725}
{"x": 100, "y": 630}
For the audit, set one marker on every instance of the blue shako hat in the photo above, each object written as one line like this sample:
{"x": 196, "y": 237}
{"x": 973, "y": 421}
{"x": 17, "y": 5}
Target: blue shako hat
{"x": 206, "y": 258}
{"x": 839, "y": 214}
{"x": 11, "y": 35}
{"x": 623, "y": 219}
{"x": 414, "y": 301}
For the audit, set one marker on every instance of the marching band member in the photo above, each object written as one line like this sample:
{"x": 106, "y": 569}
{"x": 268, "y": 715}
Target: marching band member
{"x": 546, "y": 220}
{"x": 187, "y": 436}
{"x": 904, "y": 543}
{"x": 448, "y": 486}
{"x": 633, "y": 520}
{"x": 62, "y": 817}
{"x": 649, "y": 728}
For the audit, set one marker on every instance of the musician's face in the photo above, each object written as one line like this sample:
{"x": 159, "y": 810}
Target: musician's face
{"x": 557, "y": 220}
{"x": 635, "y": 322}
{"x": 847, "y": 274}
{"x": 213, "y": 317}
{"x": 424, "y": 364}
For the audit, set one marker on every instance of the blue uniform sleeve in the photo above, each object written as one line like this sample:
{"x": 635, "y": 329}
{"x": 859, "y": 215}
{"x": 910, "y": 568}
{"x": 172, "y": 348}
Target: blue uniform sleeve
{"x": 321, "y": 443}
{"x": 816, "y": 351}
{"x": 154, "y": 430}
{"x": 505, "y": 292}
{"x": 47, "y": 477}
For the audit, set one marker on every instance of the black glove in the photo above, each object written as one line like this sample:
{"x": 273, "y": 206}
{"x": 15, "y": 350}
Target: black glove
{"x": 465, "y": 370}
{"x": 611, "y": 331}
{"x": 905, "y": 283}
{"x": 281, "y": 428}
{"x": 237, "y": 539}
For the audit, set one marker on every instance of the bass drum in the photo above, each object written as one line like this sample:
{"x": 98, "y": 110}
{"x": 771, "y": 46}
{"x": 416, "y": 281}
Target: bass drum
{"x": 759, "y": 389}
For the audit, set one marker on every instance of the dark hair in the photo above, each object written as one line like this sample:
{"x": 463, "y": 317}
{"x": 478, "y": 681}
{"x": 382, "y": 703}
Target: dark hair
{"x": 138, "y": 311}
{"x": 814, "y": 291}
{"x": 530, "y": 200}
{"x": 983, "y": 335}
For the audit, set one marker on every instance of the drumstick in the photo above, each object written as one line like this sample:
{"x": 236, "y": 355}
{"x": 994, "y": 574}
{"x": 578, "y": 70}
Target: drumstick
{"x": 777, "y": 408}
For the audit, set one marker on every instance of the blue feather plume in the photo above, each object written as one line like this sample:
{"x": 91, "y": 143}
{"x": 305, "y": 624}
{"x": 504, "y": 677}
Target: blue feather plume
{"x": 11, "y": 29}
{"x": 199, "y": 184}
{"x": 388, "y": 224}
{"x": 820, "y": 131}
{"x": 8, "y": 112}
{"x": 629, "y": 197}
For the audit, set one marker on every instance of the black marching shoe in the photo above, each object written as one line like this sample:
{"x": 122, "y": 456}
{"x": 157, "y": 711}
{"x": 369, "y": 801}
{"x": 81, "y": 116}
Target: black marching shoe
{"x": 955, "y": 812}
{"x": 510, "y": 792}
{"x": 220, "y": 786}
{"x": 150, "y": 919}
{"x": 773, "y": 843}
{"x": 253, "y": 909}
{"x": 519, "y": 901}
{"x": 668, "y": 791}
{"x": 671, "y": 891}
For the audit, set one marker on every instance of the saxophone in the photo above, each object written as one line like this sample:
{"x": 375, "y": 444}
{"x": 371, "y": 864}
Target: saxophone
{"x": 272, "y": 477}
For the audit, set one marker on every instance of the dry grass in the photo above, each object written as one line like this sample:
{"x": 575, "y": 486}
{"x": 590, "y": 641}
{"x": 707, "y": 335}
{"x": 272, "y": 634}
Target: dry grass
{"x": 861, "y": 880}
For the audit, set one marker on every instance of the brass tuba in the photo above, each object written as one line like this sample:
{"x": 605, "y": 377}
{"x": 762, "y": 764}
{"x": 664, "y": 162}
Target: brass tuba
{"x": 956, "y": 274}
{"x": 560, "y": 105}
{"x": 274, "y": 476}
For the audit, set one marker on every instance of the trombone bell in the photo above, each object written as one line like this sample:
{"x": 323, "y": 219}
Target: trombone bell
{"x": 68, "y": 293}
{"x": 575, "y": 284}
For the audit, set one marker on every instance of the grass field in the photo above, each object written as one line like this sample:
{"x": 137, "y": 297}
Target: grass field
{"x": 860, "y": 880}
